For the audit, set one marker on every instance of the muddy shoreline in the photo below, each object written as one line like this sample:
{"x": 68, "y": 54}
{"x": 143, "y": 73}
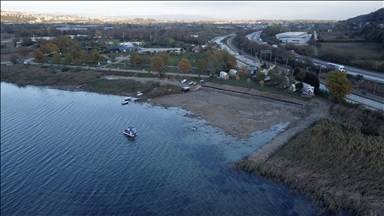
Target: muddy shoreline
{"x": 240, "y": 114}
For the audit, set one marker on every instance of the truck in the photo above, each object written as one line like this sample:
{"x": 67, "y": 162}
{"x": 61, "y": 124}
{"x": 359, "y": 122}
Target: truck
{"x": 337, "y": 67}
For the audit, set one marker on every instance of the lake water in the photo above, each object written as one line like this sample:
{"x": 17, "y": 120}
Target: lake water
{"x": 63, "y": 153}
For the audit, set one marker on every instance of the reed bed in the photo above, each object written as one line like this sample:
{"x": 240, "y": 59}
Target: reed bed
{"x": 339, "y": 162}
{"x": 22, "y": 76}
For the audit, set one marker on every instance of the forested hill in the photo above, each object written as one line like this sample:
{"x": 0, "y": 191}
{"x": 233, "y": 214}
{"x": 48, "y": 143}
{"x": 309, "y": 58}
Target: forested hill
{"x": 369, "y": 26}
{"x": 376, "y": 17}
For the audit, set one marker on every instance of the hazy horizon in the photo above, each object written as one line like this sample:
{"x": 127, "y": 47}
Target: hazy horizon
{"x": 201, "y": 10}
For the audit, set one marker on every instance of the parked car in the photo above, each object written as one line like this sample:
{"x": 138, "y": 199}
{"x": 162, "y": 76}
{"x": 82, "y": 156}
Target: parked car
{"x": 185, "y": 89}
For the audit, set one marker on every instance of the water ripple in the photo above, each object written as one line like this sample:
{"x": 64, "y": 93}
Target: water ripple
{"x": 65, "y": 154}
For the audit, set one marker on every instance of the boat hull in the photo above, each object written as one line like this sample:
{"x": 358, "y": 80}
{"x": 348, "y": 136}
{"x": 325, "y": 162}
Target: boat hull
{"x": 130, "y": 132}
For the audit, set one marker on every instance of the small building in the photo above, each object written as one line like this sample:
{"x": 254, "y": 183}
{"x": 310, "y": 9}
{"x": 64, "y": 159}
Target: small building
{"x": 121, "y": 48}
{"x": 196, "y": 49}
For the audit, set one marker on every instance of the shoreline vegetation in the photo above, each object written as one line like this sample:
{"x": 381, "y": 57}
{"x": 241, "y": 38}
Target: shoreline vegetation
{"x": 338, "y": 161}
{"x": 89, "y": 80}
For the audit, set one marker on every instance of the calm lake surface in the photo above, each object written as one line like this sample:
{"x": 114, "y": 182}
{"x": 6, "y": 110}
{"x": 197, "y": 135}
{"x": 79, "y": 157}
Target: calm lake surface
{"x": 63, "y": 153}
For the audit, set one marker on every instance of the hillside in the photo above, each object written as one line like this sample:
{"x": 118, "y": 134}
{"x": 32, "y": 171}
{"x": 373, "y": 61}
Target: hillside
{"x": 377, "y": 17}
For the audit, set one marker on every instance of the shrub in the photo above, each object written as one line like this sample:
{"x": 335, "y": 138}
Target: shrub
{"x": 64, "y": 69}
{"x": 13, "y": 59}
{"x": 299, "y": 85}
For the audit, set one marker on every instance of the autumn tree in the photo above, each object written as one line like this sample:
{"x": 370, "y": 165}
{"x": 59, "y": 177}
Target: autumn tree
{"x": 98, "y": 32}
{"x": 184, "y": 65}
{"x": 23, "y": 51}
{"x": 77, "y": 61}
{"x": 243, "y": 72}
{"x": 136, "y": 59}
{"x": 55, "y": 48}
{"x": 68, "y": 58}
{"x": 84, "y": 55}
{"x": 339, "y": 85}
{"x": 56, "y": 58}
{"x": 48, "y": 48}
{"x": 158, "y": 64}
{"x": 229, "y": 61}
{"x": 75, "y": 53}
{"x": 95, "y": 55}
{"x": 261, "y": 75}
{"x": 201, "y": 65}
{"x": 166, "y": 58}
{"x": 38, "y": 55}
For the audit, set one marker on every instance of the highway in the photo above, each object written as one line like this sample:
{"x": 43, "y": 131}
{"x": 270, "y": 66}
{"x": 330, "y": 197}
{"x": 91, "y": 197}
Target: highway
{"x": 357, "y": 99}
{"x": 255, "y": 37}
{"x": 351, "y": 70}
{"x": 368, "y": 75}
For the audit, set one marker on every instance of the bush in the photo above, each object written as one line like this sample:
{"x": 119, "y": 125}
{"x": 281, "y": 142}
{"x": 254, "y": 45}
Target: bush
{"x": 64, "y": 69}
{"x": 296, "y": 71}
{"x": 299, "y": 85}
{"x": 13, "y": 59}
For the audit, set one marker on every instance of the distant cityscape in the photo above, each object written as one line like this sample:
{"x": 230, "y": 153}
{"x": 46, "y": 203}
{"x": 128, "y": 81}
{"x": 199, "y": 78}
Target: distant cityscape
{"x": 14, "y": 17}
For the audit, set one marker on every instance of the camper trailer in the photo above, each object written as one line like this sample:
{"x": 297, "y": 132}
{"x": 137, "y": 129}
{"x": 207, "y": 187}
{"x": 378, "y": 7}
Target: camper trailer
{"x": 233, "y": 73}
{"x": 224, "y": 75}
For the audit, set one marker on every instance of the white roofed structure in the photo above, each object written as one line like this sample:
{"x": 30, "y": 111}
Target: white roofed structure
{"x": 297, "y": 38}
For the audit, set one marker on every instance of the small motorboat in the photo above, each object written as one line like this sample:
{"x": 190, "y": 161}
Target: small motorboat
{"x": 124, "y": 102}
{"x": 127, "y": 98}
{"x": 139, "y": 93}
{"x": 130, "y": 132}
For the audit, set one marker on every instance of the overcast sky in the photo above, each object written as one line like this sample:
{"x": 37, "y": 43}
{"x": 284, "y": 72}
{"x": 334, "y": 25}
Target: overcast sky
{"x": 228, "y": 10}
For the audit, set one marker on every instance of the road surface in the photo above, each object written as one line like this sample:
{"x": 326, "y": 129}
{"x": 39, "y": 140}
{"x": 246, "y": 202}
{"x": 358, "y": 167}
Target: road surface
{"x": 360, "y": 100}
{"x": 368, "y": 75}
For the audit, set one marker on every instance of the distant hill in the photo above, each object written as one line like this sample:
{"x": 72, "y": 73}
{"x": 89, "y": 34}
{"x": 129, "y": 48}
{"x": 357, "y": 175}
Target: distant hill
{"x": 369, "y": 26}
{"x": 376, "y": 17}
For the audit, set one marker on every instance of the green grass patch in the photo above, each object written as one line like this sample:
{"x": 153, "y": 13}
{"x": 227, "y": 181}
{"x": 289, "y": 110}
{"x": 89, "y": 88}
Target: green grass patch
{"x": 116, "y": 66}
{"x": 362, "y": 51}
{"x": 255, "y": 85}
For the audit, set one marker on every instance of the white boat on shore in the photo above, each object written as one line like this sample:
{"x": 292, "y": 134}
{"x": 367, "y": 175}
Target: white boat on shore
{"x": 139, "y": 93}
{"x": 130, "y": 132}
